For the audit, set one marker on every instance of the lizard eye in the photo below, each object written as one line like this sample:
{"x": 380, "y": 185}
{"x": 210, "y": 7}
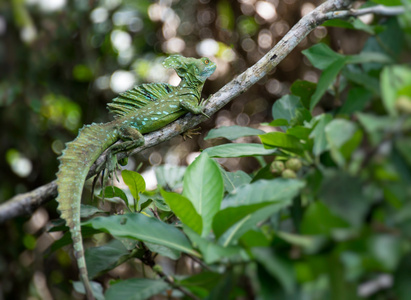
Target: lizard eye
{"x": 206, "y": 61}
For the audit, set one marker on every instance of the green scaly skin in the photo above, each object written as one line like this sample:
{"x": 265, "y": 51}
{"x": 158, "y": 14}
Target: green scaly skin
{"x": 140, "y": 110}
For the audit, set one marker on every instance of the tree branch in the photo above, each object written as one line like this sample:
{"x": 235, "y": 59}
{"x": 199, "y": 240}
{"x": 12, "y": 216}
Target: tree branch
{"x": 331, "y": 9}
{"x": 378, "y": 9}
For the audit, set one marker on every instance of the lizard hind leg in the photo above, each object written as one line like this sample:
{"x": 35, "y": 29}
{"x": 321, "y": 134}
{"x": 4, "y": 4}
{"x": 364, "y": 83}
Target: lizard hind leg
{"x": 132, "y": 138}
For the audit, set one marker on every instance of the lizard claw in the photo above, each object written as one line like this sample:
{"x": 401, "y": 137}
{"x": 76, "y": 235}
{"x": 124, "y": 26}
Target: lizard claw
{"x": 190, "y": 132}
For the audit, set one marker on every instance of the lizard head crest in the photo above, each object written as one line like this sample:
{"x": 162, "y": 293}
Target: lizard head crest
{"x": 185, "y": 67}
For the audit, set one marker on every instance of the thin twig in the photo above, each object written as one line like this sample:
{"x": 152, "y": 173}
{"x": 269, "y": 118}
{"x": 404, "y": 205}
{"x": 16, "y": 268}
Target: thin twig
{"x": 171, "y": 282}
{"x": 378, "y": 9}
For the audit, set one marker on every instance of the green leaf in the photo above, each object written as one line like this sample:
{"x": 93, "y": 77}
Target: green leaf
{"x": 388, "y": 2}
{"x": 299, "y": 132}
{"x": 318, "y": 134}
{"x": 352, "y": 23}
{"x": 164, "y": 251}
{"x": 403, "y": 146}
{"x": 135, "y": 183}
{"x": 401, "y": 279}
{"x": 229, "y": 216}
{"x": 303, "y": 89}
{"x": 201, "y": 284}
{"x": 95, "y": 286}
{"x": 394, "y": 79}
{"x": 357, "y": 75}
{"x": 232, "y": 180}
{"x": 279, "y": 189}
{"x": 343, "y": 194}
{"x": 232, "y": 132}
{"x": 321, "y": 56}
{"x": 285, "y": 108}
{"x": 357, "y": 99}
{"x": 161, "y": 204}
{"x": 376, "y": 126}
{"x": 169, "y": 176}
{"x": 278, "y": 267}
{"x": 204, "y": 187}
{"x": 386, "y": 249}
{"x": 255, "y": 238}
{"x": 112, "y": 192}
{"x": 89, "y": 210}
{"x": 249, "y": 221}
{"x": 239, "y": 206}
{"x": 135, "y": 289}
{"x": 326, "y": 79}
{"x": 106, "y": 257}
{"x": 184, "y": 210}
{"x": 238, "y": 150}
{"x": 336, "y": 137}
{"x": 213, "y": 252}
{"x": 369, "y": 57}
{"x": 279, "y": 122}
{"x": 318, "y": 219}
{"x": 146, "y": 229}
{"x": 282, "y": 140}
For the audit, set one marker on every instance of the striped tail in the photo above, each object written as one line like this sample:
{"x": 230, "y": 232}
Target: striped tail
{"x": 75, "y": 163}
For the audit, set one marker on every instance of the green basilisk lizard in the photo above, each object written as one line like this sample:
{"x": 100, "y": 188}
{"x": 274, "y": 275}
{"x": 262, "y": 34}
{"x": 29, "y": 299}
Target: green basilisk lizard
{"x": 140, "y": 110}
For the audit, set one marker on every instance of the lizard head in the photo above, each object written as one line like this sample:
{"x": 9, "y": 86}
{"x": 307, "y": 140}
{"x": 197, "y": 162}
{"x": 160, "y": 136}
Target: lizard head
{"x": 200, "y": 69}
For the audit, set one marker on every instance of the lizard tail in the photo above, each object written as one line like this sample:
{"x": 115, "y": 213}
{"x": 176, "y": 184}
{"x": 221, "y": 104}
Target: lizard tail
{"x": 75, "y": 163}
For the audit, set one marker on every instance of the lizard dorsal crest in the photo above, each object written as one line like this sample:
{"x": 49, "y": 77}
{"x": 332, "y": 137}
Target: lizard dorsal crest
{"x": 138, "y": 97}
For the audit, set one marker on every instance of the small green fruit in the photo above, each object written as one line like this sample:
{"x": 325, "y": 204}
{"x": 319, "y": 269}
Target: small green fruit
{"x": 157, "y": 269}
{"x": 287, "y": 173}
{"x": 277, "y": 167}
{"x": 293, "y": 164}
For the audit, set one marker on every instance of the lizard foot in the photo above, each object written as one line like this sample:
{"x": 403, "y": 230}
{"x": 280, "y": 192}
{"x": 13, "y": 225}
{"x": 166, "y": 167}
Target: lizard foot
{"x": 189, "y": 133}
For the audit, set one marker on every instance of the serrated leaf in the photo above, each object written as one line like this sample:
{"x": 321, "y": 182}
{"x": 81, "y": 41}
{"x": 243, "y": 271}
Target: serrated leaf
{"x": 136, "y": 289}
{"x": 204, "y": 187}
{"x": 146, "y": 229}
{"x": 184, "y": 210}
{"x": 232, "y": 132}
{"x": 238, "y": 150}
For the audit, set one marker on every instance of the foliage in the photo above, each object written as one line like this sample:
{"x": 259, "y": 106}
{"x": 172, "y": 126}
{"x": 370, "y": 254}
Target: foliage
{"x": 327, "y": 216}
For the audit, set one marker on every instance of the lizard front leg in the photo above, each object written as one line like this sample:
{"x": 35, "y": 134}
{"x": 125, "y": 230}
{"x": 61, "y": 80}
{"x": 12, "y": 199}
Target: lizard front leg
{"x": 194, "y": 107}
{"x": 132, "y": 138}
